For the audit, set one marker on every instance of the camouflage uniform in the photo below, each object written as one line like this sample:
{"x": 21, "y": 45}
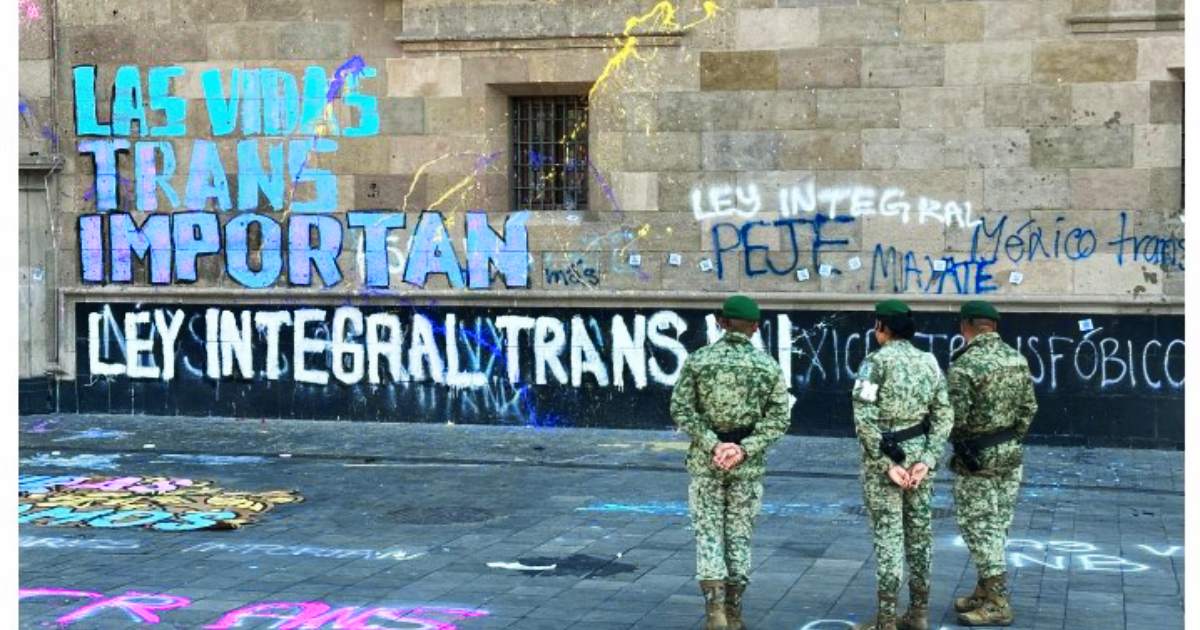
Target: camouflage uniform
{"x": 725, "y": 386}
{"x": 990, "y": 389}
{"x": 897, "y": 386}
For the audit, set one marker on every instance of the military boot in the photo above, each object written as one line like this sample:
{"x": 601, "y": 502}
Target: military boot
{"x": 714, "y": 604}
{"x": 972, "y": 601}
{"x": 885, "y": 619}
{"x": 995, "y": 609}
{"x": 733, "y": 605}
{"x": 917, "y": 617}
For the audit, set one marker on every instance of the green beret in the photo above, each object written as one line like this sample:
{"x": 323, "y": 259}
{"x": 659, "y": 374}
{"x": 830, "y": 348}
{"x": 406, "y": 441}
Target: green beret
{"x": 740, "y": 307}
{"x": 888, "y": 308}
{"x": 979, "y": 309}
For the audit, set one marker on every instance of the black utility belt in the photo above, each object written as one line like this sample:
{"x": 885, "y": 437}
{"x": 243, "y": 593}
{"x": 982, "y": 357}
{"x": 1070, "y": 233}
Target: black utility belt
{"x": 967, "y": 451}
{"x": 734, "y": 435}
{"x": 987, "y": 439}
{"x": 889, "y": 442}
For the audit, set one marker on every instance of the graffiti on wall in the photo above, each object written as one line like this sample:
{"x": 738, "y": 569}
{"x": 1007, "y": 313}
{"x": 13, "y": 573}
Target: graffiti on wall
{"x": 810, "y": 221}
{"x": 160, "y": 503}
{"x": 284, "y": 224}
{"x": 154, "y": 608}
{"x": 583, "y": 367}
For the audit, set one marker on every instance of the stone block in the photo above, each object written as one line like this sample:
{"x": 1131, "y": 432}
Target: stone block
{"x": 1052, "y": 19}
{"x": 34, "y": 40}
{"x": 941, "y": 107}
{"x": 776, "y": 110}
{"x": 1102, "y": 276}
{"x": 861, "y": 25}
{"x": 808, "y": 68}
{"x": 1115, "y": 188}
{"x": 938, "y": 187}
{"x": 480, "y": 72}
{"x": 928, "y": 238}
{"x": 690, "y": 278}
{"x": 128, "y": 42}
{"x": 1157, "y": 146}
{"x": 740, "y": 70}
{"x": 903, "y": 66}
{"x": 1166, "y": 188}
{"x": 402, "y": 116}
{"x": 1156, "y": 56}
{"x": 666, "y": 151}
{"x": 740, "y": 150}
{"x": 215, "y": 11}
{"x": 987, "y": 148}
{"x": 607, "y": 148}
{"x": 1166, "y": 102}
{"x": 903, "y": 148}
{"x": 455, "y": 116}
{"x": 317, "y": 40}
{"x": 628, "y": 111}
{"x": 388, "y": 192}
{"x": 858, "y": 108}
{"x": 283, "y": 10}
{"x": 425, "y": 76}
{"x": 820, "y": 150}
{"x": 636, "y": 192}
{"x": 988, "y": 63}
{"x": 33, "y": 78}
{"x": 1073, "y": 147}
{"x": 1010, "y": 20}
{"x": 942, "y": 23}
{"x": 569, "y": 66}
{"x": 1027, "y": 105}
{"x": 773, "y": 29}
{"x": 675, "y": 189}
{"x": 245, "y": 41}
{"x": 437, "y": 154}
{"x": 696, "y": 111}
{"x": 1110, "y": 104}
{"x": 1110, "y": 60}
{"x": 1026, "y": 188}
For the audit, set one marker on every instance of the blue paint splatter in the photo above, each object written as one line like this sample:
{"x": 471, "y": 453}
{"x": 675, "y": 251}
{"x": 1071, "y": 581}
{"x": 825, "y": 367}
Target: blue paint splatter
{"x": 535, "y": 160}
{"x": 353, "y": 66}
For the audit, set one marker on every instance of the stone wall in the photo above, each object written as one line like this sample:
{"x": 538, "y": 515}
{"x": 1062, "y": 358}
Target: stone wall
{"x": 810, "y": 152}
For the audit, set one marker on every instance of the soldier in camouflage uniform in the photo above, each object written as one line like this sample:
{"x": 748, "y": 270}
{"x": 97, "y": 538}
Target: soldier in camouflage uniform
{"x": 902, "y": 417}
{"x": 732, "y": 400}
{"x": 991, "y": 391}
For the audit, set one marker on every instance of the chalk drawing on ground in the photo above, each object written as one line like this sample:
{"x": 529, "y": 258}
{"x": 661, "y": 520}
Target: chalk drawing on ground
{"x": 159, "y": 503}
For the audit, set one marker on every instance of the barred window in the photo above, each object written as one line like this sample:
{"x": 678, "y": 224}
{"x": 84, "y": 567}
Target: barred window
{"x": 549, "y": 153}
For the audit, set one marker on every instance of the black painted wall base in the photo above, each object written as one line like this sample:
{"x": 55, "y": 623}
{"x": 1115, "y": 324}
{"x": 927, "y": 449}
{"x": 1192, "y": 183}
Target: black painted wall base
{"x": 1102, "y": 380}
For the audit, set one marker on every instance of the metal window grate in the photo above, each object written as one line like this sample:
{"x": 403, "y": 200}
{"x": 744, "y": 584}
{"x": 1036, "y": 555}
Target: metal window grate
{"x": 549, "y": 153}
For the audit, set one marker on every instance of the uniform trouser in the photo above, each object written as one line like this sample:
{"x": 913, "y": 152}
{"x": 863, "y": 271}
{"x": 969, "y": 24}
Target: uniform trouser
{"x": 902, "y": 527}
{"x": 723, "y": 512}
{"x": 983, "y": 507}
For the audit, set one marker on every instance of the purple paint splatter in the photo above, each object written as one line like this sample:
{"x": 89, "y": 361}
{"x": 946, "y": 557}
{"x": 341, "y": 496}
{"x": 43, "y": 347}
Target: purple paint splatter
{"x": 353, "y": 67}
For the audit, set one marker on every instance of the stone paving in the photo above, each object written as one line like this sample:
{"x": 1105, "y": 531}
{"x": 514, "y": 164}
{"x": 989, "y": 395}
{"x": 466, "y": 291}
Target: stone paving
{"x": 436, "y": 526}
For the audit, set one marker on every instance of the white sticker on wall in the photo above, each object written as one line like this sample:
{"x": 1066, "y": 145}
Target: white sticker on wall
{"x": 635, "y": 260}
{"x": 1016, "y": 277}
{"x": 825, "y": 270}
{"x": 1086, "y": 325}
{"x": 802, "y": 275}
{"x": 675, "y": 259}
{"x": 706, "y": 265}
{"x": 939, "y": 265}
{"x": 854, "y": 263}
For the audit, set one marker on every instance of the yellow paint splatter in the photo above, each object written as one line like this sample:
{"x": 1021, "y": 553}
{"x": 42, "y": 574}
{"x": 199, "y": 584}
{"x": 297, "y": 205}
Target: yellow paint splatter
{"x": 661, "y": 19}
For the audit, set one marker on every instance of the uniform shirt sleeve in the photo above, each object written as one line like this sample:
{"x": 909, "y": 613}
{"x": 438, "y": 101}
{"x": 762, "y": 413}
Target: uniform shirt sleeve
{"x": 1027, "y": 406}
{"x": 865, "y": 401}
{"x": 777, "y": 415}
{"x": 941, "y": 423}
{"x": 962, "y": 395}
{"x": 684, "y": 412}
